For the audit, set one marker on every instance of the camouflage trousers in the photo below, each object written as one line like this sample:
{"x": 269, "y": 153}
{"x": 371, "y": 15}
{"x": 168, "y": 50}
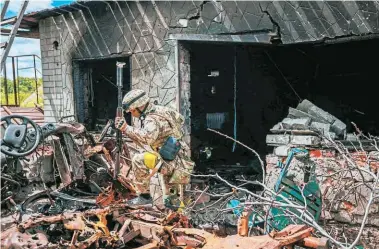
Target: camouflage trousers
{"x": 173, "y": 173}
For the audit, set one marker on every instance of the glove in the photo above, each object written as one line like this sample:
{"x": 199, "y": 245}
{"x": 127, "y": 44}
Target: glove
{"x": 120, "y": 123}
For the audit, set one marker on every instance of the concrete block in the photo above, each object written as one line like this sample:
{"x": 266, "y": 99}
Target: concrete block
{"x": 48, "y": 59}
{"x": 295, "y": 113}
{"x": 48, "y": 84}
{"x": 50, "y": 53}
{"x": 321, "y": 127}
{"x": 45, "y": 66}
{"x": 351, "y": 137}
{"x": 282, "y": 150}
{"x": 305, "y": 140}
{"x": 321, "y": 115}
{"x": 48, "y": 72}
{"x": 56, "y": 78}
{"x": 58, "y": 71}
{"x": 277, "y": 139}
{"x": 338, "y": 127}
{"x": 305, "y": 105}
{"x": 296, "y": 123}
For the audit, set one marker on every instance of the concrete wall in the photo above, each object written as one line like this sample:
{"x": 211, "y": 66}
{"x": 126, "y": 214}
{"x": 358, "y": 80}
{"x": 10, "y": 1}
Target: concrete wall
{"x": 141, "y": 30}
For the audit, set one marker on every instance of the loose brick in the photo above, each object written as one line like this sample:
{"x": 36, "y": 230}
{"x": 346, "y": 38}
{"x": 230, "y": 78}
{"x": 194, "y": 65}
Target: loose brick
{"x": 321, "y": 115}
{"x": 295, "y": 113}
{"x": 277, "y": 139}
{"x": 321, "y": 127}
{"x": 338, "y": 127}
{"x": 296, "y": 123}
{"x": 305, "y": 140}
{"x": 282, "y": 150}
{"x": 305, "y": 105}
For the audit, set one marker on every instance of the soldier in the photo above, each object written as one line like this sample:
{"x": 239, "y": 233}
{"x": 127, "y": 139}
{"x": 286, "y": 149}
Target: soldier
{"x": 160, "y": 126}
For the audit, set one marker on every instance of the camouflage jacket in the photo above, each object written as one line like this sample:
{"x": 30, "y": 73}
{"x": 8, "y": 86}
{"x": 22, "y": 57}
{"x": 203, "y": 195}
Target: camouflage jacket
{"x": 161, "y": 122}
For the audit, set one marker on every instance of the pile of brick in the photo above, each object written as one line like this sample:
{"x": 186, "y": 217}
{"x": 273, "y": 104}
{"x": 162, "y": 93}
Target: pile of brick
{"x": 306, "y": 125}
{"x": 309, "y": 127}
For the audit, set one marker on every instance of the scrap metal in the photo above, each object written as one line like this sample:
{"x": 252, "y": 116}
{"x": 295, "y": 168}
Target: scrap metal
{"x": 93, "y": 227}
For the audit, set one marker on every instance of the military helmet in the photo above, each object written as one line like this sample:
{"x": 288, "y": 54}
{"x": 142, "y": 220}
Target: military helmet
{"x": 134, "y": 99}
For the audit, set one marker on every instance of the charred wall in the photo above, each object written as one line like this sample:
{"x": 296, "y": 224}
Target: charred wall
{"x": 141, "y": 30}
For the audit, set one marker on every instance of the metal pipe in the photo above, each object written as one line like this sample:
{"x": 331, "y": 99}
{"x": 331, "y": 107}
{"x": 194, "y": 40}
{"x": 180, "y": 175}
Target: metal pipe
{"x": 14, "y": 82}
{"x": 4, "y": 9}
{"x": 18, "y": 82}
{"x": 119, "y": 113}
{"x": 35, "y": 76}
{"x": 5, "y": 84}
{"x": 25, "y": 55}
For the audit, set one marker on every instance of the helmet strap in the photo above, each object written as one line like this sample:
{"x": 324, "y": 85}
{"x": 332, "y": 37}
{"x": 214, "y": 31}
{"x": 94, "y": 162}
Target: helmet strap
{"x": 142, "y": 113}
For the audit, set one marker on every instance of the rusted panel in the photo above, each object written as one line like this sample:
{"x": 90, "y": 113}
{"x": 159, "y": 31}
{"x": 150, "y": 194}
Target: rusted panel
{"x": 62, "y": 164}
{"x": 75, "y": 160}
{"x": 131, "y": 235}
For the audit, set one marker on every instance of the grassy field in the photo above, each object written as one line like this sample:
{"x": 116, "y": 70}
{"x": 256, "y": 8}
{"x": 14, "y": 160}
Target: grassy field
{"x": 27, "y": 94}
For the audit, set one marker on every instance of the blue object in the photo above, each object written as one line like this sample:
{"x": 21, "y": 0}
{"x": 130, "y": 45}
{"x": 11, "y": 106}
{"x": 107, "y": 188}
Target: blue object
{"x": 170, "y": 149}
{"x": 309, "y": 195}
{"x": 237, "y": 210}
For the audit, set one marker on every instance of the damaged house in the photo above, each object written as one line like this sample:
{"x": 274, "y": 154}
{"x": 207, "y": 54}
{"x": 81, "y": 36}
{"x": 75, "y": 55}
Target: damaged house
{"x": 236, "y": 67}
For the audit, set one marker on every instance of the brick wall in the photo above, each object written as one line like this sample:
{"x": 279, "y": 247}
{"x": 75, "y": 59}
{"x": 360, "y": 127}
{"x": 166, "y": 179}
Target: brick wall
{"x": 141, "y": 30}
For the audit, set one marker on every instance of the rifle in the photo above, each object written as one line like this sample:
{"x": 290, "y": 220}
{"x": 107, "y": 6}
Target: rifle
{"x": 119, "y": 113}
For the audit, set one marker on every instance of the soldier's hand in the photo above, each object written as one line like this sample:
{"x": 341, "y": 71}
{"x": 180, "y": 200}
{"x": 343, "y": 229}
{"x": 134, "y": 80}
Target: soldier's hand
{"x": 120, "y": 123}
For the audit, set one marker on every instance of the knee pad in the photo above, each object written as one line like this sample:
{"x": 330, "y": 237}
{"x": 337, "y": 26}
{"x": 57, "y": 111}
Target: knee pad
{"x": 150, "y": 160}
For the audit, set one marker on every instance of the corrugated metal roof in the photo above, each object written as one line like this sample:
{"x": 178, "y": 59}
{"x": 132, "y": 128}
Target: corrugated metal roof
{"x": 29, "y": 112}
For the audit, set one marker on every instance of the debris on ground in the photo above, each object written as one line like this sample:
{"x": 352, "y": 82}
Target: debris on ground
{"x": 318, "y": 188}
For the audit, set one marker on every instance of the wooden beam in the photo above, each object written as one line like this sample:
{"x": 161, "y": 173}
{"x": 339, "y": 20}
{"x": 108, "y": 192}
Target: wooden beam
{"x": 30, "y": 19}
{"x": 22, "y": 33}
{"x": 8, "y": 21}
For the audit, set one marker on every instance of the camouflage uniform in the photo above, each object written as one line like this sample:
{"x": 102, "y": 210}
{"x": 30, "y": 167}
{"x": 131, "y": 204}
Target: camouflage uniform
{"x": 159, "y": 123}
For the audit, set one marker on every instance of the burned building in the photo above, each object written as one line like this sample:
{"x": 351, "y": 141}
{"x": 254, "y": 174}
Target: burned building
{"x": 231, "y": 66}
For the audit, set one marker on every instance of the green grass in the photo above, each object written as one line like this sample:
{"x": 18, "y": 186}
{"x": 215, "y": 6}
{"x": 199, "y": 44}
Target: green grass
{"x": 22, "y": 98}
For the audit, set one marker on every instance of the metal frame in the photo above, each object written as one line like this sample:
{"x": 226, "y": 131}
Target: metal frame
{"x": 14, "y": 30}
{"x": 15, "y": 74}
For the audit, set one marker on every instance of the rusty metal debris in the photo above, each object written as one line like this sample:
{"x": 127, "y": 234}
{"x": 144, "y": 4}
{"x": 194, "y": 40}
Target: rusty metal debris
{"x": 95, "y": 227}
{"x": 79, "y": 205}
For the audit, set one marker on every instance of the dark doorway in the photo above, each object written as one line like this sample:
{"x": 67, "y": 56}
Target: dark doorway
{"x": 243, "y": 91}
{"x": 96, "y": 90}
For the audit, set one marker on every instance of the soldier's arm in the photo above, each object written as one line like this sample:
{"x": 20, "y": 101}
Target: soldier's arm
{"x": 146, "y": 135}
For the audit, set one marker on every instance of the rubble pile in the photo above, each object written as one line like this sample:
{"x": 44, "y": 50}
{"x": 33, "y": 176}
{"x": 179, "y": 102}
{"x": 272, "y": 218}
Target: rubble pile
{"x": 303, "y": 127}
{"x": 333, "y": 159}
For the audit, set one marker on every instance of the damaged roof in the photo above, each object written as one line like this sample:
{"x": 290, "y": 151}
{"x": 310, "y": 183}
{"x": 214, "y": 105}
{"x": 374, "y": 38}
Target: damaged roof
{"x": 295, "y": 21}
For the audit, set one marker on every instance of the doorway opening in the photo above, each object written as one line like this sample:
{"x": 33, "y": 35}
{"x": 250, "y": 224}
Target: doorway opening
{"x": 243, "y": 90}
{"x": 96, "y": 90}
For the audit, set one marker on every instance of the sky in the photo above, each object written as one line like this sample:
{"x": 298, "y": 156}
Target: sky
{"x": 22, "y": 46}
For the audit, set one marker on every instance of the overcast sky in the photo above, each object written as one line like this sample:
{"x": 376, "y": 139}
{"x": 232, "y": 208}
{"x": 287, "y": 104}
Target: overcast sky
{"x": 22, "y": 46}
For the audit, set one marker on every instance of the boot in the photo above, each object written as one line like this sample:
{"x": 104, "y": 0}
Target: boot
{"x": 142, "y": 199}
